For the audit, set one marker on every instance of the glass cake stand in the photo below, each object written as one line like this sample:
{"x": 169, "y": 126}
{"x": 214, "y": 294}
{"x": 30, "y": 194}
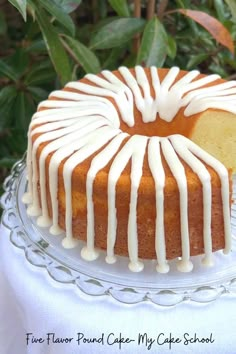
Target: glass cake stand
{"x": 202, "y": 285}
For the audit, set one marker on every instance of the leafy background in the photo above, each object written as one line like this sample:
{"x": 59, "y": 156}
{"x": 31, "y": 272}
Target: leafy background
{"x": 44, "y": 44}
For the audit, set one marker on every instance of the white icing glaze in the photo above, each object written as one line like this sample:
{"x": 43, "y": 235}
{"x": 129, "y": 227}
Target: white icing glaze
{"x": 178, "y": 172}
{"x": 198, "y": 167}
{"x": 158, "y": 173}
{"x": 124, "y": 155}
{"x": 86, "y": 122}
{"x": 97, "y": 164}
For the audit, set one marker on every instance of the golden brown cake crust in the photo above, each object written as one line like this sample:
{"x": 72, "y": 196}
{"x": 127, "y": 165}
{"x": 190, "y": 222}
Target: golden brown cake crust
{"x": 146, "y": 211}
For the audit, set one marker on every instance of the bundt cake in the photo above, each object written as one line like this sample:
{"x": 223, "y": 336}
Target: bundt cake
{"x": 136, "y": 162}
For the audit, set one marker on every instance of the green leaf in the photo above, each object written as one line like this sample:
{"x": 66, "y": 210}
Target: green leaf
{"x": 7, "y": 161}
{"x": 40, "y": 73}
{"x": 3, "y": 24}
{"x": 37, "y": 46}
{"x": 7, "y": 97}
{"x": 21, "y": 6}
{"x": 23, "y": 110}
{"x": 19, "y": 62}
{"x": 16, "y": 141}
{"x": 38, "y": 93}
{"x": 193, "y": 26}
{"x": 7, "y": 93}
{"x": 86, "y": 58}
{"x": 195, "y": 60}
{"x": 102, "y": 9}
{"x": 60, "y": 15}
{"x": 121, "y": 7}
{"x": 116, "y": 33}
{"x": 232, "y": 6}
{"x": 172, "y": 47}
{"x": 67, "y": 5}
{"x": 5, "y": 114}
{"x": 55, "y": 49}
{"x": 7, "y": 71}
{"x": 154, "y": 44}
{"x": 112, "y": 60}
{"x": 218, "y": 31}
{"x": 20, "y": 110}
{"x": 103, "y": 22}
{"x": 130, "y": 60}
{"x": 220, "y": 9}
{"x": 230, "y": 62}
{"x": 216, "y": 69}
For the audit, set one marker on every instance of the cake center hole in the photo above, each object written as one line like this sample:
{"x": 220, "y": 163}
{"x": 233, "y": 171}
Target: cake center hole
{"x": 179, "y": 125}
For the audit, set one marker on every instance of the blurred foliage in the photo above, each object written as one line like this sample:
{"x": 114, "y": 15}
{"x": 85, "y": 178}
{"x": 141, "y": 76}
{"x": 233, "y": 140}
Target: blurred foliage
{"x": 44, "y": 44}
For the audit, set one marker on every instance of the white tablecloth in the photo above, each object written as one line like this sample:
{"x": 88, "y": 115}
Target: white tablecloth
{"x": 31, "y": 302}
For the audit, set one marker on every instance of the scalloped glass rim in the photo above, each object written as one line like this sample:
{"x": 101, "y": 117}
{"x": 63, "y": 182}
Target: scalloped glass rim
{"x": 98, "y": 278}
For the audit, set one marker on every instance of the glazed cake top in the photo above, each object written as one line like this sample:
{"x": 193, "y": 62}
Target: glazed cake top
{"x": 81, "y": 121}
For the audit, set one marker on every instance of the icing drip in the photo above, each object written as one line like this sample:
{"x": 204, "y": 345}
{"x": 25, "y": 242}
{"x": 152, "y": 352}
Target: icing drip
{"x": 130, "y": 150}
{"x": 97, "y": 164}
{"x": 96, "y": 140}
{"x": 181, "y": 147}
{"x": 223, "y": 174}
{"x": 178, "y": 171}
{"x": 157, "y": 170}
{"x": 75, "y": 125}
{"x": 138, "y": 151}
